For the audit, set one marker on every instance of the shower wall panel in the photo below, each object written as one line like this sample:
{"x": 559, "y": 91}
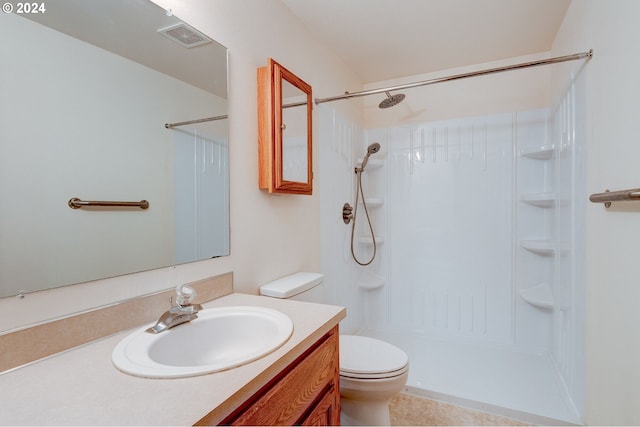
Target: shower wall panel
{"x": 568, "y": 129}
{"x": 201, "y": 169}
{"x": 535, "y": 230}
{"x": 450, "y": 218}
{"x": 341, "y": 138}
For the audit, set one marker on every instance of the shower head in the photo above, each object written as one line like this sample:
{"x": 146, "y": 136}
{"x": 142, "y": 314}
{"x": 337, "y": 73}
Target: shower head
{"x": 371, "y": 149}
{"x": 391, "y": 100}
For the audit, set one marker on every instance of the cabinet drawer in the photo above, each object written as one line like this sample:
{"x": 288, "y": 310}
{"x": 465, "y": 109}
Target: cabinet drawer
{"x": 298, "y": 390}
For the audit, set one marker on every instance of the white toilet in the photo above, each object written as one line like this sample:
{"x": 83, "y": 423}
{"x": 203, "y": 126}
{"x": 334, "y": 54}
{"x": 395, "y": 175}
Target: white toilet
{"x": 371, "y": 371}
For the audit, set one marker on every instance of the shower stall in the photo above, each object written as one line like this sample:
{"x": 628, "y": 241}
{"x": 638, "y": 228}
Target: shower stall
{"x": 478, "y": 274}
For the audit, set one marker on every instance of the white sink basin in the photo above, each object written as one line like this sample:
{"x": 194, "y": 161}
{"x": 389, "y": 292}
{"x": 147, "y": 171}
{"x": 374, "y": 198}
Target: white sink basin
{"x": 220, "y": 338}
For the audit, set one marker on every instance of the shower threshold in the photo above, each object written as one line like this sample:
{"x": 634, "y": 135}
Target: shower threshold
{"x": 493, "y": 379}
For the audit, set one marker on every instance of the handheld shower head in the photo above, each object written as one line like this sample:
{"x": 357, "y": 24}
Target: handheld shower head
{"x": 391, "y": 100}
{"x": 349, "y": 214}
{"x": 371, "y": 149}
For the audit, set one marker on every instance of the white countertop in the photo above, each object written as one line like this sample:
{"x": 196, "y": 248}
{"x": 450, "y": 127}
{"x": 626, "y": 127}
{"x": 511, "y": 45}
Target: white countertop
{"x": 82, "y": 387}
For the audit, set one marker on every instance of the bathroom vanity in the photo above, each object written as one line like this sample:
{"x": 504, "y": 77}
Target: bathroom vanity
{"x": 297, "y": 383}
{"x": 305, "y": 393}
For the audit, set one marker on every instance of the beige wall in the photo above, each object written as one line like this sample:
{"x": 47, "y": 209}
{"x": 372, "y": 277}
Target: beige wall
{"x": 271, "y": 236}
{"x": 612, "y": 29}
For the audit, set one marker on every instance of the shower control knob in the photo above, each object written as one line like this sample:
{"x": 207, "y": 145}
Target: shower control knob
{"x": 347, "y": 213}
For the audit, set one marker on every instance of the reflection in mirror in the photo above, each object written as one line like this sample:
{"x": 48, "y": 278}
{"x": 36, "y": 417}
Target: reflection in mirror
{"x": 87, "y": 88}
{"x": 294, "y": 133}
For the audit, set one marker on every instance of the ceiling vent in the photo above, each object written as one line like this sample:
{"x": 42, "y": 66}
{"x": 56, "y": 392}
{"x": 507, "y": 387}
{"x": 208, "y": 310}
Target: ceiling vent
{"x": 185, "y": 35}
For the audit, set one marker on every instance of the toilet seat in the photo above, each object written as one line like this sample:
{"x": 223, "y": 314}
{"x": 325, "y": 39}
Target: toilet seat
{"x": 369, "y": 358}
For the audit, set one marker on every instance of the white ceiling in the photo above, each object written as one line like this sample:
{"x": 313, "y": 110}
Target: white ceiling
{"x": 386, "y": 39}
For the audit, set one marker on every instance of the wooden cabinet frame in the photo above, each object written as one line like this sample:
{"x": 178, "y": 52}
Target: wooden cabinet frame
{"x": 307, "y": 392}
{"x": 271, "y": 126}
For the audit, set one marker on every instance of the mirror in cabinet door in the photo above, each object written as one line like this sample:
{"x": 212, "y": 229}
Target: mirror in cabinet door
{"x": 284, "y": 131}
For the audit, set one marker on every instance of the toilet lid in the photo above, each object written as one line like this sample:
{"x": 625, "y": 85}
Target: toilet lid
{"x": 370, "y": 357}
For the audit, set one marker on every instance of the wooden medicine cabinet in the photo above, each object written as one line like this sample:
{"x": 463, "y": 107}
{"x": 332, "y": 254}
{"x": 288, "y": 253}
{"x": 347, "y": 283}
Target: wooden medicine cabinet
{"x": 284, "y": 131}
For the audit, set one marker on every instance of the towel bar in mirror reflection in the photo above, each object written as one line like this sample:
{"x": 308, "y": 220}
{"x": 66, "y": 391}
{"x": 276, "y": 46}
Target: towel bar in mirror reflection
{"x": 76, "y": 203}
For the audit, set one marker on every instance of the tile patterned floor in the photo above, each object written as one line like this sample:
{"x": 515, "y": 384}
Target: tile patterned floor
{"x": 409, "y": 410}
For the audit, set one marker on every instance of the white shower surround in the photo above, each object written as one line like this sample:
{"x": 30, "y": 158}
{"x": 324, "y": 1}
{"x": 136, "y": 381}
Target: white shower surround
{"x": 454, "y": 284}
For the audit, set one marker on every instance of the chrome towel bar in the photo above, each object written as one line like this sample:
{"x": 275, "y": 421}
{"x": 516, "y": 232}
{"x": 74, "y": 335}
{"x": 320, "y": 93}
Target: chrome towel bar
{"x": 615, "y": 196}
{"x": 76, "y": 203}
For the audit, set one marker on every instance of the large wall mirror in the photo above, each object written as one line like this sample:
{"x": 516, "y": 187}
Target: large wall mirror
{"x": 86, "y": 90}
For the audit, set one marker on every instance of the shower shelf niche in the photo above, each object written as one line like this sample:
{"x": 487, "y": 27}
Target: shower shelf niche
{"x": 367, "y": 240}
{"x": 540, "y": 247}
{"x": 374, "y": 202}
{"x": 541, "y": 200}
{"x": 539, "y": 153}
{"x": 372, "y": 163}
{"x": 539, "y": 296}
{"x": 371, "y": 283}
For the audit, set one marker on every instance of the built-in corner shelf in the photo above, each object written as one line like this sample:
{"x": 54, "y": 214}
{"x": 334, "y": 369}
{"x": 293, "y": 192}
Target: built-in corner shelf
{"x": 544, "y": 152}
{"x": 367, "y": 240}
{"x": 540, "y": 247}
{"x": 541, "y": 200}
{"x": 371, "y": 283}
{"x": 539, "y": 296}
{"x": 374, "y": 202}
{"x": 372, "y": 163}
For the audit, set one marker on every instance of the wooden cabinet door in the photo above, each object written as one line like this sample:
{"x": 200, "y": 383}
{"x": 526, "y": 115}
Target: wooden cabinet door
{"x": 308, "y": 390}
{"x": 326, "y": 412}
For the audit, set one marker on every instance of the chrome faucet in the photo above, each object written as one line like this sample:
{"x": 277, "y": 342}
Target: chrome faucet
{"x": 181, "y": 312}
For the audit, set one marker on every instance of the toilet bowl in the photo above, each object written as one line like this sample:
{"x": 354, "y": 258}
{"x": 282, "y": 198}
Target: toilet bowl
{"x": 371, "y": 373}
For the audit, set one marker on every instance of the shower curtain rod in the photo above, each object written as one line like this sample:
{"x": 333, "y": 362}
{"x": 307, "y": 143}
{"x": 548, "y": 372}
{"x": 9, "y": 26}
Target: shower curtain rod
{"x": 347, "y": 95}
{"x": 191, "y": 122}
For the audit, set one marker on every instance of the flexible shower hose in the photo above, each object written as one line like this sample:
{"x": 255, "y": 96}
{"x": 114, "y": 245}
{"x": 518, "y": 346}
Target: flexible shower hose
{"x": 353, "y": 224}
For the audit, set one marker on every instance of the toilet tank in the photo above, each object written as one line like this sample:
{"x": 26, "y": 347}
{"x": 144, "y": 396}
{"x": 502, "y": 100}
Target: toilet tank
{"x": 302, "y": 286}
